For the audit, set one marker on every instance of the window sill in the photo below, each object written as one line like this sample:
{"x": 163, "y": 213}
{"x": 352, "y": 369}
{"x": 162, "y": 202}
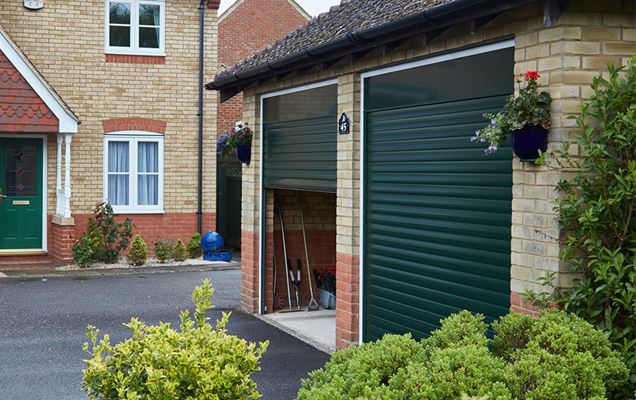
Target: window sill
{"x": 136, "y": 211}
{"x": 135, "y": 59}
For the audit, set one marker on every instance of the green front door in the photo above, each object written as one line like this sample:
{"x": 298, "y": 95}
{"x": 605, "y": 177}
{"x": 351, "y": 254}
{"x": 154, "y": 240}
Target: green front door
{"x": 21, "y": 194}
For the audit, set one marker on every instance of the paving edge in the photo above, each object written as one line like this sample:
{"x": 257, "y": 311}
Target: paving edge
{"x": 125, "y": 271}
{"x": 313, "y": 343}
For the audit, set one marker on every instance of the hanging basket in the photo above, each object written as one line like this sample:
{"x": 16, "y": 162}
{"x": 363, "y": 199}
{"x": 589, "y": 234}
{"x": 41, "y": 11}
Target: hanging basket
{"x": 244, "y": 153}
{"x": 527, "y": 141}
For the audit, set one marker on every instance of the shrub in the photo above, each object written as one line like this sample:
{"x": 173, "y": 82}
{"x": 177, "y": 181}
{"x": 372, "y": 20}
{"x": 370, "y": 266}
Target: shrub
{"x": 90, "y": 247}
{"x": 197, "y": 362}
{"x": 138, "y": 253}
{"x": 180, "y": 251}
{"x": 164, "y": 250}
{"x": 596, "y": 213}
{"x": 115, "y": 235}
{"x": 194, "y": 246}
{"x": 558, "y": 356}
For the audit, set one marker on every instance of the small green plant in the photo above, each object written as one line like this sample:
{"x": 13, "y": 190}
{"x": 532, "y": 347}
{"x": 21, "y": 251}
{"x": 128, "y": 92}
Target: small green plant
{"x": 180, "y": 252}
{"x": 194, "y": 246}
{"x": 138, "y": 253}
{"x": 164, "y": 250}
{"x": 115, "y": 235}
{"x": 90, "y": 247}
{"x": 555, "y": 357}
{"x": 197, "y": 362}
{"x": 597, "y": 215}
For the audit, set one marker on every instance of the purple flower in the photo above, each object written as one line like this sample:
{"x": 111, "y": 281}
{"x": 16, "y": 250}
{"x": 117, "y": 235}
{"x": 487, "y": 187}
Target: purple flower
{"x": 493, "y": 122}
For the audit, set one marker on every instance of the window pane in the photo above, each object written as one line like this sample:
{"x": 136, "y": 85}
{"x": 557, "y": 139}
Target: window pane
{"x": 149, "y": 38}
{"x": 149, "y": 14}
{"x": 119, "y": 13}
{"x": 20, "y": 170}
{"x": 148, "y": 190}
{"x": 118, "y": 190}
{"x": 120, "y": 36}
{"x": 118, "y": 157}
{"x": 148, "y": 157}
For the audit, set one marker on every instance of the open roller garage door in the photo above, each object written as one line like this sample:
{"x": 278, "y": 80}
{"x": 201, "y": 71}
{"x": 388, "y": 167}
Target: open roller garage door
{"x": 437, "y": 213}
{"x": 299, "y": 145}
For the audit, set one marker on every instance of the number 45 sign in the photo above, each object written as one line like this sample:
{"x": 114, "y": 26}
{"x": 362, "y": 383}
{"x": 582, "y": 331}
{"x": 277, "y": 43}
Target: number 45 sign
{"x": 34, "y": 4}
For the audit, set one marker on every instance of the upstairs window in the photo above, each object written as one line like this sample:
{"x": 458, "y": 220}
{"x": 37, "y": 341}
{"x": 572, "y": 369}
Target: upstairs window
{"x": 135, "y": 27}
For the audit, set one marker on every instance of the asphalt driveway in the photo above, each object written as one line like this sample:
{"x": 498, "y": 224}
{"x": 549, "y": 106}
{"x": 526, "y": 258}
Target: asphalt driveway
{"x": 43, "y": 323}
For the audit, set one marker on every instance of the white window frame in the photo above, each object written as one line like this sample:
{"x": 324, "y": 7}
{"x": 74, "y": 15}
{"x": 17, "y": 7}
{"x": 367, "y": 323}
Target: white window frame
{"x": 134, "y": 48}
{"x": 133, "y": 138}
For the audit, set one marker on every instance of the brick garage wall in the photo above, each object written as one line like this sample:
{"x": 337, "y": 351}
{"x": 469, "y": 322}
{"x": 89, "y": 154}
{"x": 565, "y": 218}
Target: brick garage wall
{"x": 568, "y": 55}
{"x": 72, "y": 58}
{"x": 320, "y": 226}
{"x": 243, "y": 30}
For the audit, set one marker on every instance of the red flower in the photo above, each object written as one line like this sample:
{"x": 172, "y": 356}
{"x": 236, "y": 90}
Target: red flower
{"x": 534, "y": 75}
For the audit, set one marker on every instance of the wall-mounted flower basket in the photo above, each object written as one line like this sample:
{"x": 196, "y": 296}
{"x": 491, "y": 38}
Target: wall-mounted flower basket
{"x": 525, "y": 116}
{"x": 527, "y": 141}
{"x": 244, "y": 153}
{"x": 239, "y": 138}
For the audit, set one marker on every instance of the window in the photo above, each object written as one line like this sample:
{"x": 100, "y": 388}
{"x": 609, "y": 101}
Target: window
{"x": 133, "y": 177}
{"x": 135, "y": 27}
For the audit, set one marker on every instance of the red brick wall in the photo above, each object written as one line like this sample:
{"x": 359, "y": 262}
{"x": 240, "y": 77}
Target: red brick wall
{"x": 251, "y": 26}
{"x": 149, "y": 226}
{"x": 21, "y": 109}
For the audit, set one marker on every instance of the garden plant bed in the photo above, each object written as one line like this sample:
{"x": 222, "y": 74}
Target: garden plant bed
{"x": 151, "y": 263}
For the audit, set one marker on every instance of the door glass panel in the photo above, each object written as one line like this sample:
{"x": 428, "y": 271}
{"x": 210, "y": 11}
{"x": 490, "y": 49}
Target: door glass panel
{"x": 20, "y": 170}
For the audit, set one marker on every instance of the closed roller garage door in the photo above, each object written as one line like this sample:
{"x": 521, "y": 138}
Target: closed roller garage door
{"x": 437, "y": 213}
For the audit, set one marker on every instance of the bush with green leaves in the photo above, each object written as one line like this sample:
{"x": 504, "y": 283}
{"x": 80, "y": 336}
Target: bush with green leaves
{"x": 180, "y": 252}
{"x": 555, "y": 357}
{"x": 164, "y": 250}
{"x": 194, "y": 246}
{"x": 597, "y": 215}
{"x": 196, "y": 362}
{"x": 115, "y": 235}
{"x": 138, "y": 253}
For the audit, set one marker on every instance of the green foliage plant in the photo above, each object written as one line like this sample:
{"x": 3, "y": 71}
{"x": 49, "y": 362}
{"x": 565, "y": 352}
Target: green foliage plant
{"x": 115, "y": 235}
{"x": 164, "y": 250}
{"x": 198, "y": 361}
{"x": 138, "y": 253}
{"x": 194, "y": 246}
{"x": 596, "y": 207}
{"x": 180, "y": 253}
{"x": 529, "y": 107}
{"x": 557, "y": 356}
{"x": 90, "y": 247}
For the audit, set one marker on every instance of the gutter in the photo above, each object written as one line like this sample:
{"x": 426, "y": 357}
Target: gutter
{"x": 436, "y": 17}
{"x": 200, "y": 116}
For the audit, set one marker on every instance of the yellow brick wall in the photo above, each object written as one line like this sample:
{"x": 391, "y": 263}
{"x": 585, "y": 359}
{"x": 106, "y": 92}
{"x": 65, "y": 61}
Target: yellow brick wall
{"x": 65, "y": 41}
{"x": 587, "y": 36}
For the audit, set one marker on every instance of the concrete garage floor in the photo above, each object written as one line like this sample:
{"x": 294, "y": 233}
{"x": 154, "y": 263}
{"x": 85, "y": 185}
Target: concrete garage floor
{"x": 317, "y": 328}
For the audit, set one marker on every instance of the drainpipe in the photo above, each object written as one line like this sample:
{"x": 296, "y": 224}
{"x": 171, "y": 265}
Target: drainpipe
{"x": 200, "y": 115}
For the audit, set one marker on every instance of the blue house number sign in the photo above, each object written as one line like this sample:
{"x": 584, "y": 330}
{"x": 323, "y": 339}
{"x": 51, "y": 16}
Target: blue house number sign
{"x": 344, "y": 127}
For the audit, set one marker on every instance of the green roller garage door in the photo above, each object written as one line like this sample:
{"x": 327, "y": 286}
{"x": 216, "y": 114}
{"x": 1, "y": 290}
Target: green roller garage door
{"x": 437, "y": 213}
{"x": 299, "y": 147}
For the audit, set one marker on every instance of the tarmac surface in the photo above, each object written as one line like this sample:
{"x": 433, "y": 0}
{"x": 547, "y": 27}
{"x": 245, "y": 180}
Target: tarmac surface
{"x": 43, "y": 324}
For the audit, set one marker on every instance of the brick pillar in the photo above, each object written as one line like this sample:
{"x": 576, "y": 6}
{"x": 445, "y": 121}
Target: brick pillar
{"x": 250, "y": 211}
{"x": 347, "y": 216}
{"x": 62, "y": 231}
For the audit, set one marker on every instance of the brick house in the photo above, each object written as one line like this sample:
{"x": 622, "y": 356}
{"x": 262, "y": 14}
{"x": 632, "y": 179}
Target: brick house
{"x": 244, "y": 28}
{"x": 422, "y": 224}
{"x": 99, "y": 101}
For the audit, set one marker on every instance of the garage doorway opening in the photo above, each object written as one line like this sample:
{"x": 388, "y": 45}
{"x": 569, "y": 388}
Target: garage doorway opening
{"x": 305, "y": 260}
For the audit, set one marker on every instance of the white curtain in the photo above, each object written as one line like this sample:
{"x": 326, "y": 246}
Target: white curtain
{"x": 156, "y": 15}
{"x": 118, "y": 173}
{"x": 148, "y": 173}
